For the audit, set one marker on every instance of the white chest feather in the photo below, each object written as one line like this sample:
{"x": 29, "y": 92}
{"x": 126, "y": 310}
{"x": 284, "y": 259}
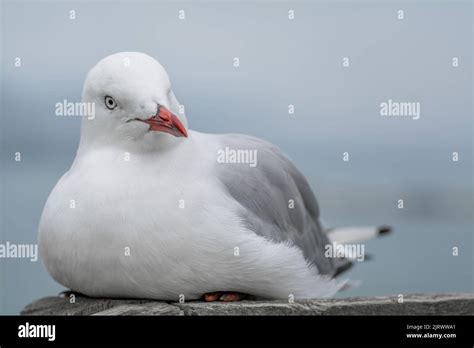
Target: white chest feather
{"x": 146, "y": 227}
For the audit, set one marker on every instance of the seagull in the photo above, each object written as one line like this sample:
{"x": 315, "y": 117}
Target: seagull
{"x": 151, "y": 209}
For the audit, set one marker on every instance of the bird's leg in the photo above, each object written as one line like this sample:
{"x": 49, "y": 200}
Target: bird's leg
{"x": 232, "y": 297}
{"x": 212, "y": 296}
{"x": 225, "y": 296}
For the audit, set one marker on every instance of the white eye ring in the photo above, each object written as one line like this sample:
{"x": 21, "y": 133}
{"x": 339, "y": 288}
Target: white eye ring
{"x": 110, "y": 102}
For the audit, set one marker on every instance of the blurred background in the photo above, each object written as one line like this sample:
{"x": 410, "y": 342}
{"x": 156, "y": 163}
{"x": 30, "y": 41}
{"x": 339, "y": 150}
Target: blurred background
{"x": 282, "y": 62}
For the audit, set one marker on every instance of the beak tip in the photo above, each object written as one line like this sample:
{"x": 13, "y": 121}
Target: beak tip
{"x": 174, "y": 125}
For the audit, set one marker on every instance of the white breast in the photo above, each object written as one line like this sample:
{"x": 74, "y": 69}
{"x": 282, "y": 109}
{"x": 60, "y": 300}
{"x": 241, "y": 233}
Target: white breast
{"x": 157, "y": 227}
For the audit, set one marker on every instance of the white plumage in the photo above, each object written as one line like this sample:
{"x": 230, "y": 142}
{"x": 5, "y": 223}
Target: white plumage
{"x": 150, "y": 217}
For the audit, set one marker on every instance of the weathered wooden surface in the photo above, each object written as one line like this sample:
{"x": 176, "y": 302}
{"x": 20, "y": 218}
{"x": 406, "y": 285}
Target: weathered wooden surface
{"x": 446, "y": 304}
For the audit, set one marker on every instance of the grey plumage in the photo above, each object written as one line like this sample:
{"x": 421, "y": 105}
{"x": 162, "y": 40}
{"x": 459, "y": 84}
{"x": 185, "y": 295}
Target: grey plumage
{"x": 264, "y": 193}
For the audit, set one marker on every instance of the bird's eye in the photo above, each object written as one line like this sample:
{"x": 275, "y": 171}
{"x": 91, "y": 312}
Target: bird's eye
{"x": 110, "y": 102}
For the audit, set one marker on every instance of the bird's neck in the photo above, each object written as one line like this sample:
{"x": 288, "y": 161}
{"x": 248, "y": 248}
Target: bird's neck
{"x": 151, "y": 143}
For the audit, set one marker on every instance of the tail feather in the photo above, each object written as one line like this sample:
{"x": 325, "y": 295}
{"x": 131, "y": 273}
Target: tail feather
{"x": 345, "y": 235}
{"x": 349, "y": 235}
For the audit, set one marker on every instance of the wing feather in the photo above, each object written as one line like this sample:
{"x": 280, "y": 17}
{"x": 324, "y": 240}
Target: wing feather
{"x": 277, "y": 201}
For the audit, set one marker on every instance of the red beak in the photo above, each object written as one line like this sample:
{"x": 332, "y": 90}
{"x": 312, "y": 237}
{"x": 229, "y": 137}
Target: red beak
{"x": 166, "y": 121}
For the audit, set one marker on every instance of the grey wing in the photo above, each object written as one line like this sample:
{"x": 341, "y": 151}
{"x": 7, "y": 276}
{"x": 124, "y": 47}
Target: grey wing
{"x": 277, "y": 201}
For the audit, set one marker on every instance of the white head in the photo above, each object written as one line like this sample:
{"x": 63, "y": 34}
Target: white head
{"x": 134, "y": 103}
